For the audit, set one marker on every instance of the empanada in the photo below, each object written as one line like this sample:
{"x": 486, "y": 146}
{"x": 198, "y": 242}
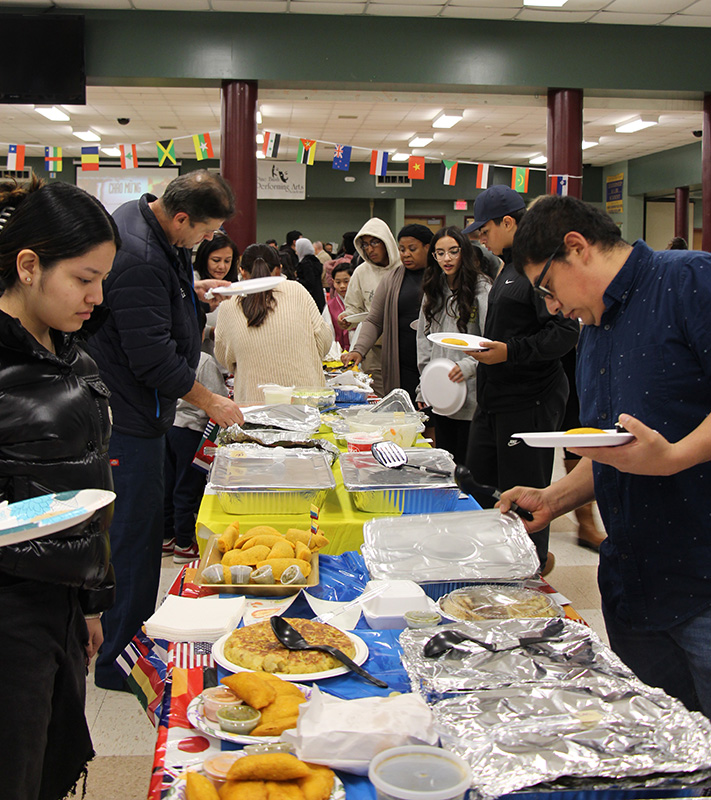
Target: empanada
{"x": 251, "y": 688}
{"x": 267, "y": 767}
{"x": 199, "y": 787}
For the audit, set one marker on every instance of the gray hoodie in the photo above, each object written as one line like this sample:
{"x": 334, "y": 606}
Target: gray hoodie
{"x": 367, "y": 275}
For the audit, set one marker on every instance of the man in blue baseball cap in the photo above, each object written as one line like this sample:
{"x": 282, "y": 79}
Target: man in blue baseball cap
{"x": 521, "y": 384}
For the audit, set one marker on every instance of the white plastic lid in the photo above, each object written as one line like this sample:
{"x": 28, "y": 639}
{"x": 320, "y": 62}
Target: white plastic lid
{"x": 419, "y": 772}
{"x": 446, "y": 397}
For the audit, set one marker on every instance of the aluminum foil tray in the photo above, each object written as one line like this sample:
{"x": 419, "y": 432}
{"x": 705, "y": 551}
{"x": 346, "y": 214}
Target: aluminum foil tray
{"x": 381, "y": 490}
{"x": 461, "y": 546}
{"x": 279, "y": 481}
{"x": 520, "y": 736}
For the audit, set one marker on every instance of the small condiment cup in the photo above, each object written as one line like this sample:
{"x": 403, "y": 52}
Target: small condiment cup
{"x": 238, "y": 719}
{"x": 422, "y": 619}
{"x": 419, "y": 772}
{"x": 218, "y": 766}
{"x": 218, "y": 697}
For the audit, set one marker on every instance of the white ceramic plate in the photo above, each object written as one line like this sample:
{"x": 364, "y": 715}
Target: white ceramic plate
{"x": 49, "y": 513}
{"x": 609, "y": 438}
{"x": 354, "y": 319}
{"x": 250, "y": 286}
{"x": 472, "y": 342}
{"x": 198, "y": 720}
{"x": 446, "y": 397}
{"x": 360, "y": 657}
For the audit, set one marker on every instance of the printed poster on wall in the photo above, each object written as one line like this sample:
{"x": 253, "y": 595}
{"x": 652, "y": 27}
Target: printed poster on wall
{"x": 281, "y": 180}
{"x": 613, "y": 193}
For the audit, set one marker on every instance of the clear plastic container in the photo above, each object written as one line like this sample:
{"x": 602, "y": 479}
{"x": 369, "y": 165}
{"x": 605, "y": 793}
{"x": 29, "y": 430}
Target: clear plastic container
{"x": 361, "y": 442}
{"x": 275, "y": 394}
{"x": 316, "y": 397}
{"x": 419, "y": 772}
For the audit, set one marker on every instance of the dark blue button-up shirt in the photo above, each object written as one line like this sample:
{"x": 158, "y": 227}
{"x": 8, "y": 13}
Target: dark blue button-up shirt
{"x": 650, "y": 357}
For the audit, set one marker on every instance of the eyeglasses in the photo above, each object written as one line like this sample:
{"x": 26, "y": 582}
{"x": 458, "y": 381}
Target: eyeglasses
{"x": 369, "y": 245}
{"x": 543, "y": 291}
{"x": 453, "y": 252}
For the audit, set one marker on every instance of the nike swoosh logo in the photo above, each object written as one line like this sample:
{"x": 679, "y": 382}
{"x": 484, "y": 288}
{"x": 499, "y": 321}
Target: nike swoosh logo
{"x": 508, "y": 281}
{"x": 513, "y": 442}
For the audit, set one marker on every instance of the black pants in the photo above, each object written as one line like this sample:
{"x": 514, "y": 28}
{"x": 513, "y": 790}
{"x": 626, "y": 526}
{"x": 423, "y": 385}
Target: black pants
{"x": 496, "y": 459}
{"x": 45, "y": 741}
{"x": 184, "y": 485}
{"x": 452, "y": 435}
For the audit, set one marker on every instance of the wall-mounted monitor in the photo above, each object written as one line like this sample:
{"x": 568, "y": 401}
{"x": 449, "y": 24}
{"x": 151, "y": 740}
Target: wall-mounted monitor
{"x": 42, "y": 59}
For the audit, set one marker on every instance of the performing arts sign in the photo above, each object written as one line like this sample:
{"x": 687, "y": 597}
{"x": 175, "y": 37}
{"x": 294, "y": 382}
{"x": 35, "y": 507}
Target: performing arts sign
{"x": 281, "y": 180}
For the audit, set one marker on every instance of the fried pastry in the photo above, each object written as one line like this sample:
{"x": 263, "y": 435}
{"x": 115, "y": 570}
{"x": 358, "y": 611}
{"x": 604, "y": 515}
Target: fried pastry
{"x": 279, "y": 790}
{"x": 319, "y": 784}
{"x": 198, "y": 787}
{"x": 250, "y": 557}
{"x": 267, "y": 767}
{"x": 243, "y": 790}
{"x": 251, "y": 688}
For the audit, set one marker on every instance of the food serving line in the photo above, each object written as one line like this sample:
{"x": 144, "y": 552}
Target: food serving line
{"x": 535, "y": 678}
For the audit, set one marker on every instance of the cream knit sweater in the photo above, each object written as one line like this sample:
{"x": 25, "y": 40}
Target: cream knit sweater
{"x": 287, "y": 348}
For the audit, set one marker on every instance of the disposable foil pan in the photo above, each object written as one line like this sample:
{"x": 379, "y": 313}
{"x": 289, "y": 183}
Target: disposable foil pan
{"x": 466, "y": 546}
{"x": 278, "y": 481}
{"x": 382, "y": 490}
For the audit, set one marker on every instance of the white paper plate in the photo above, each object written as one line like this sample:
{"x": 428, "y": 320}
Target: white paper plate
{"x": 354, "y": 319}
{"x": 198, "y": 720}
{"x": 360, "y": 657}
{"x": 446, "y": 397}
{"x": 609, "y": 438}
{"x": 250, "y": 286}
{"x": 472, "y": 342}
{"x": 49, "y": 513}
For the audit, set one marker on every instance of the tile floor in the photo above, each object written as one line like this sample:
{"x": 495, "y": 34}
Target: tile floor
{"x": 124, "y": 738}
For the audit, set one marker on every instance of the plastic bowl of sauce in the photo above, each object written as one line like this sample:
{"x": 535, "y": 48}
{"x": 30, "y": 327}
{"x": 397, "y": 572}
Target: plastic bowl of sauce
{"x": 419, "y": 772}
{"x": 238, "y": 719}
{"x": 218, "y": 697}
{"x": 218, "y": 766}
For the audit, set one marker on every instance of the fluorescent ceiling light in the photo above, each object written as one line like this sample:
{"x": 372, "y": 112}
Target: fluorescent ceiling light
{"x": 447, "y": 119}
{"x": 399, "y": 157}
{"x": 588, "y": 143}
{"x": 87, "y": 136}
{"x": 111, "y": 151}
{"x": 420, "y": 141}
{"x": 636, "y": 124}
{"x": 260, "y": 154}
{"x": 545, "y": 3}
{"x": 539, "y": 159}
{"x": 53, "y": 113}
{"x": 260, "y": 138}
{"x": 259, "y": 117}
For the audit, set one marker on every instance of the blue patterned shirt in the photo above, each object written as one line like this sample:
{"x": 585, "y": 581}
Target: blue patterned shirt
{"x": 650, "y": 357}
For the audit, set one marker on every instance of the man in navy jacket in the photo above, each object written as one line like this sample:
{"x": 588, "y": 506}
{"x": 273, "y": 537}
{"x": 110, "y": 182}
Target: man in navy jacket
{"x": 147, "y": 352}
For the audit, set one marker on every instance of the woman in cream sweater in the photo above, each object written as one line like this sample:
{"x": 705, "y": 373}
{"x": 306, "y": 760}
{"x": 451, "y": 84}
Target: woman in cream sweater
{"x": 276, "y": 336}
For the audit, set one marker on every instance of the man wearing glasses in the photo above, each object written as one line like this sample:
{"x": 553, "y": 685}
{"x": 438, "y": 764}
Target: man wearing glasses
{"x": 644, "y": 358}
{"x": 521, "y": 384}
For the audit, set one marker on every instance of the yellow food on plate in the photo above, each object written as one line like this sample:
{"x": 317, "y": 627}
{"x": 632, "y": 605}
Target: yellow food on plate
{"x": 251, "y": 688}
{"x": 318, "y": 785}
{"x": 585, "y": 430}
{"x": 257, "y": 530}
{"x": 268, "y": 767}
{"x": 229, "y": 537}
{"x": 281, "y": 687}
{"x": 243, "y": 790}
{"x": 283, "y": 706}
{"x": 278, "y": 566}
{"x": 198, "y": 787}
{"x": 249, "y": 557}
{"x": 459, "y": 342}
{"x": 283, "y": 549}
{"x": 283, "y": 790}
{"x": 302, "y": 552}
{"x": 267, "y": 539}
{"x": 311, "y": 540}
{"x": 275, "y": 728}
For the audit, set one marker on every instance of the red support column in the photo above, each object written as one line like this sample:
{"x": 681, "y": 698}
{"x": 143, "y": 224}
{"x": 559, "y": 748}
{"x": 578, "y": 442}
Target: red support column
{"x": 565, "y": 137}
{"x": 681, "y": 213}
{"x": 706, "y": 176}
{"x": 238, "y": 160}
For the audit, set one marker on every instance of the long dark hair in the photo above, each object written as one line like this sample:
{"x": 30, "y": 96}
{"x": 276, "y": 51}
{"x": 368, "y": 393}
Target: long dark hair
{"x": 57, "y": 221}
{"x": 218, "y": 242}
{"x": 464, "y": 285}
{"x": 258, "y": 261}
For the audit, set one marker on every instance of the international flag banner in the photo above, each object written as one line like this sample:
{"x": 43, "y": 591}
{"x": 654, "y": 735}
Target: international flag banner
{"x": 16, "y": 157}
{"x": 449, "y": 173}
{"x": 53, "y": 159}
{"x": 129, "y": 156}
{"x": 482, "y": 176}
{"x": 416, "y": 167}
{"x": 559, "y": 185}
{"x": 203, "y": 146}
{"x": 166, "y": 152}
{"x": 379, "y": 162}
{"x": 270, "y": 148}
{"x": 90, "y": 158}
{"x": 519, "y": 179}
{"x": 306, "y": 152}
{"x": 342, "y": 157}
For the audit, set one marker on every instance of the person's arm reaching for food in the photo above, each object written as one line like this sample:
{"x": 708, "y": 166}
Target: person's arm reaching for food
{"x": 221, "y": 409}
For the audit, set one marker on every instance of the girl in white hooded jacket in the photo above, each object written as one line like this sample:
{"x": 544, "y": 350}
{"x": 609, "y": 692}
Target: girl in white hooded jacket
{"x": 376, "y": 244}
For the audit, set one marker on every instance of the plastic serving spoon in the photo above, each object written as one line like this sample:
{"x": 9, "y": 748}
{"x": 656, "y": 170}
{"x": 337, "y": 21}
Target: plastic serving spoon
{"x": 443, "y": 641}
{"x": 293, "y": 640}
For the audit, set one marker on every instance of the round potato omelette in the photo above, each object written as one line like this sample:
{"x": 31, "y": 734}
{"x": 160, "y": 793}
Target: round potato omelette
{"x": 256, "y": 647}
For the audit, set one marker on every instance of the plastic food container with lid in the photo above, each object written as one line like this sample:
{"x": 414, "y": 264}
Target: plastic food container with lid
{"x": 275, "y": 394}
{"x": 382, "y": 490}
{"x": 316, "y": 397}
{"x": 387, "y": 610}
{"x": 397, "y": 427}
{"x": 419, "y": 772}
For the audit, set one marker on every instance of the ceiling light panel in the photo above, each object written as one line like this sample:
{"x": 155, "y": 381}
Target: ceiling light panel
{"x": 636, "y": 124}
{"x": 420, "y": 141}
{"x": 52, "y": 113}
{"x": 447, "y": 119}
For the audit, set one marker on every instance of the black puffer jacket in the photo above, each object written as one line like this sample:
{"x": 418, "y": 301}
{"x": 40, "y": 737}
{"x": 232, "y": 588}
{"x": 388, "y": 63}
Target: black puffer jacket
{"x": 54, "y": 437}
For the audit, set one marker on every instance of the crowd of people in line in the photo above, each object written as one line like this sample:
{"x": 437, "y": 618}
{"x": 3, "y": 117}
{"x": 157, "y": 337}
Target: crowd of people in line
{"x": 112, "y": 361}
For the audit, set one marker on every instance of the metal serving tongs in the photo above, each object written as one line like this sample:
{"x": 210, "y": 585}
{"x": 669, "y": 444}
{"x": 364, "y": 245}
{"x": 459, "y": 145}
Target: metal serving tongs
{"x": 391, "y": 455}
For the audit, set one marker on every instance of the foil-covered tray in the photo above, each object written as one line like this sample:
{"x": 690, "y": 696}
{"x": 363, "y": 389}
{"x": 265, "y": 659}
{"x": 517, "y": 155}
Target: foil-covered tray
{"x": 575, "y": 655}
{"x": 520, "y": 736}
{"x": 460, "y": 546}
{"x": 382, "y": 490}
{"x": 275, "y": 481}
{"x": 284, "y": 416}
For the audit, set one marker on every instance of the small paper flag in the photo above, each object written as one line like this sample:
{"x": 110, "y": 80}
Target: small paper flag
{"x": 203, "y": 146}
{"x": 449, "y": 173}
{"x": 53, "y": 159}
{"x": 270, "y": 148}
{"x": 129, "y": 156}
{"x": 16, "y": 157}
{"x": 482, "y": 176}
{"x": 519, "y": 179}
{"x": 90, "y": 159}
{"x": 559, "y": 185}
{"x": 379, "y": 162}
{"x": 342, "y": 157}
{"x": 306, "y": 152}
{"x": 166, "y": 152}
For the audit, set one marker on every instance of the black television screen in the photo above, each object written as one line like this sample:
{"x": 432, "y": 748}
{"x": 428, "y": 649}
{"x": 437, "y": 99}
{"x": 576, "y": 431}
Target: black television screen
{"x": 42, "y": 59}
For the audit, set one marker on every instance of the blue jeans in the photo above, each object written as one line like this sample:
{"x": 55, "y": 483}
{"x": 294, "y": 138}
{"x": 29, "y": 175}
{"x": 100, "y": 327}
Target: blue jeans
{"x": 136, "y": 545}
{"x": 677, "y": 660}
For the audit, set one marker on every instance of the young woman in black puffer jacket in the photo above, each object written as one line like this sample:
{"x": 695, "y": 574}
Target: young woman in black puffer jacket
{"x": 57, "y": 243}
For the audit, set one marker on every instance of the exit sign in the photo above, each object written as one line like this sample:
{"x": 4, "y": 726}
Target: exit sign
{"x": 460, "y": 205}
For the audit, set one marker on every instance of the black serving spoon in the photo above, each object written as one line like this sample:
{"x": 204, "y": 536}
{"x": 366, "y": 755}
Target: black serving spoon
{"x": 445, "y": 640}
{"x": 293, "y": 640}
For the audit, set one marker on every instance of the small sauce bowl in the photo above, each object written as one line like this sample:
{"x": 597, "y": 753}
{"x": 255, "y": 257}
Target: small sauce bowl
{"x": 238, "y": 719}
{"x": 422, "y": 619}
{"x": 217, "y": 697}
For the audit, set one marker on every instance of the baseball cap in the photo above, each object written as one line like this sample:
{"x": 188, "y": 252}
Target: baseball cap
{"x": 492, "y": 203}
